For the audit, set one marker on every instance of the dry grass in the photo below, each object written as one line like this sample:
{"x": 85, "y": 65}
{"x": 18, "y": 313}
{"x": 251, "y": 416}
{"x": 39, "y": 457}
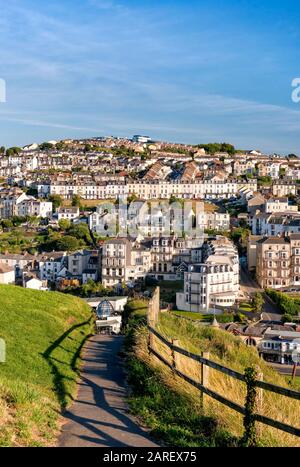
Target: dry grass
{"x": 231, "y": 352}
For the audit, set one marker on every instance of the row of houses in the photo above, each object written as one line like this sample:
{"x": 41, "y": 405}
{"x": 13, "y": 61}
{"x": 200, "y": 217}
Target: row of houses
{"x": 275, "y": 343}
{"x": 50, "y": 268}
{"x": 147, "y": 189}
{"x": 14, "y": 202}
{"x": 210, "y": 267}
{"x": 151, "y": 219}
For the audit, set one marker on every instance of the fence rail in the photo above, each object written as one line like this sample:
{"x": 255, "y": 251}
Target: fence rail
{"x": 206, "y": 362}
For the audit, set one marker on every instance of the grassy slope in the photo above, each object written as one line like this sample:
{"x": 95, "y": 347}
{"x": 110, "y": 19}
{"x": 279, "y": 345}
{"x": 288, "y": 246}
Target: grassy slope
{"x": 183, "y": 423}
{"x": 230, "y": 351}
{"x": 44, "y": 332}
{"x": 174, "y": 417}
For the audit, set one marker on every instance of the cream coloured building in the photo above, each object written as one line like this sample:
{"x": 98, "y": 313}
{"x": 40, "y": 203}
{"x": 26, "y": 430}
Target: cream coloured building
{"x": 214, "y": 282}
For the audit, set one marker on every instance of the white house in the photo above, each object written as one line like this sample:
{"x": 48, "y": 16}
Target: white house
{"x": 34, "y": 283}
{"x": 69, "y": 213}
{"x": 7, "y": 274}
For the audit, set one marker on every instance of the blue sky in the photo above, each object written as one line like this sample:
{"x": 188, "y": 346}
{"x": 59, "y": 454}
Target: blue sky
{"x": 196, "y": 71}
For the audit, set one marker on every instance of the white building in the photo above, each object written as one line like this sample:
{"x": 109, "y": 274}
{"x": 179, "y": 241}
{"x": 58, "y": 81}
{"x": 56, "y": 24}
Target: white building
{"x": 274, "y": 205}
{"x": 147, "y": 189}
{"x": 68, "y": 213}
{"x": 213, "y": 283}
{"x": 118, "y": 303}
{"x": 279, "y": 346}
{"x": 33, "y": 207}
{"x": 34, "y": 284}
{"x": 141, "y": 139}
{"x": 7, "y": 274}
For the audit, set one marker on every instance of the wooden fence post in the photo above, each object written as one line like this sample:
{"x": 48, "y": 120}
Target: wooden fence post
{"x": 174, "y": 354}
{"x": 204, "y": 377}
{"x": 152, "y": 316}
{"x": 249, "y": 438}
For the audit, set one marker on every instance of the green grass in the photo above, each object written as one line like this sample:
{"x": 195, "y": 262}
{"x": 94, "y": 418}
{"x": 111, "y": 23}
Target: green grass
{"x": 190, "y": 315}
{"x": 295, "y": 383}
{"x": 244, "y": 306}
{"x": 172, "y": 417}
{"x": 44, "y": 333}
{"x": 207, "y": 318}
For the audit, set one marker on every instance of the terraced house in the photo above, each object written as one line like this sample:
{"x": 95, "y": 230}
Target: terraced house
{"x": 278, "y": 261}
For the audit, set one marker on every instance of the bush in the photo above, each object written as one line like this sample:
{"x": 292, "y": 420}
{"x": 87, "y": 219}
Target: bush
{"x": 286, "y": 304}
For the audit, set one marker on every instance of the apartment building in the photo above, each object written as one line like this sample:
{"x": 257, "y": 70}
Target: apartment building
{"x": 33, "y": 207}
{"x": 81, "y": 265}
{"x": 274, "y": 205}
{"x": 161, "y": 258}
{"x": 214, "y": 283}
{"x": 274, "y": 262}
{"x": 150, "y": 188}
{"x": 243, "y": 167}
{"x": 281, "y": 188}
{"x": 270, "y": 169}
{"x": 52, "y": 266}
{"x": 9, "y": 200}
{"x": 271, "y": 225}
{"x": 116, "y": 261}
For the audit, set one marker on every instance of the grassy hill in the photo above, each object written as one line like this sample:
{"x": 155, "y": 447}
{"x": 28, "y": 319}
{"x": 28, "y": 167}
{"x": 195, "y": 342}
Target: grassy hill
{"x": 170, "y": 406}
{"x": 44, "y": 333}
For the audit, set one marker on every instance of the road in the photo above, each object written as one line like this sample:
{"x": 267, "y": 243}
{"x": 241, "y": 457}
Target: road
{"x": 99, "y": 416}
{"x": 285, "y": 369}
{"x": 249, "y": 286}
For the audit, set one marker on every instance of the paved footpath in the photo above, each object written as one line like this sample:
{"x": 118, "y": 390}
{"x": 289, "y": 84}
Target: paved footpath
{"x": 99, "y": 416}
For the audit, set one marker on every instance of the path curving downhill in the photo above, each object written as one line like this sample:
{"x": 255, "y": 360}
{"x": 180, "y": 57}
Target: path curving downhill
{"x": 99, "y": 417}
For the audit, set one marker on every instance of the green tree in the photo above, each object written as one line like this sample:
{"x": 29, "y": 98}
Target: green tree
{"x": 46, "y": 146}
{"x": 88, "y": 148}
{"x": 33, "y": 220}
{"x": 6, "y": 224}
{"x": 60, "y": 146}
{"x": 281, "y": 172}
{"x": 13, "y": 151}
{"x": 81, "y": 231}
{"x": 68, "y": 243}
{"x": 56, "y": 201}
{"x": 76, "y": 201}
{"x": 265, "y": 180}
{"x": 64, "y": 224}
{"x": 257, "y": 302}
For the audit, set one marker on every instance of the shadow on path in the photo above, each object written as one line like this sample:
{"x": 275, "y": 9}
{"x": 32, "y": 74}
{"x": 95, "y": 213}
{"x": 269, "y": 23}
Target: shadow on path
{"x": 58, "y": 377}
{"x": 99, "y": 416}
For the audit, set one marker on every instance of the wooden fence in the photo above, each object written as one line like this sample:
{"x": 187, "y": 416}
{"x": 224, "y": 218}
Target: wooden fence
{"x": 205, "y": 365}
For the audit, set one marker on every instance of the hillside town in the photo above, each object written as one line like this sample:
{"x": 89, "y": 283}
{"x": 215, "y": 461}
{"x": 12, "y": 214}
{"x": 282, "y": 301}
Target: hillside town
{"x": 217, "y": 228}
